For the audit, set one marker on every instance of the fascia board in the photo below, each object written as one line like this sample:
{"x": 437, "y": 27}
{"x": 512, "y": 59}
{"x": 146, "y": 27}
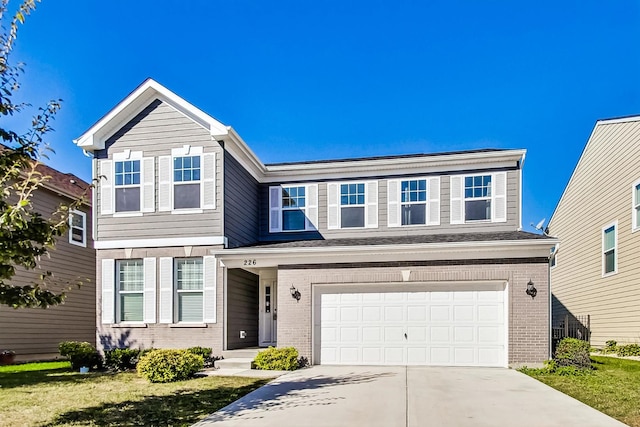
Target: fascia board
{"x": 242, "y": 153}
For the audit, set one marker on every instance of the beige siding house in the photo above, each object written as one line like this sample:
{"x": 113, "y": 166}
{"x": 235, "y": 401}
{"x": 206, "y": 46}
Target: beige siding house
{"x": 596, "y": 270}
{"x": 409, "y": 259}
{"x": 34, "y": 333}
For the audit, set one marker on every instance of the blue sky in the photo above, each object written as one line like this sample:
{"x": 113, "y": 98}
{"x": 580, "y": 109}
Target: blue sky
{"x": 332, "y": 79}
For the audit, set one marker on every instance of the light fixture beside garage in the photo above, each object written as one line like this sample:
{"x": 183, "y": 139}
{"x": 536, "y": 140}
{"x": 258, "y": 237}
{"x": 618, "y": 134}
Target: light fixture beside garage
{"x": 295, "y": 294}
{"x": 531, "y": 289}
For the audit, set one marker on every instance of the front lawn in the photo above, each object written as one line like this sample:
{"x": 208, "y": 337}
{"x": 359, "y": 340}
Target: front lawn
{"x": 50, "y": 394}
{"x": 613, "y": 387}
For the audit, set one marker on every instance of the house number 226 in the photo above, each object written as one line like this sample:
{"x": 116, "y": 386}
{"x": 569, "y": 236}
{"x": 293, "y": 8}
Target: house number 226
{"x": 249, "y": 262}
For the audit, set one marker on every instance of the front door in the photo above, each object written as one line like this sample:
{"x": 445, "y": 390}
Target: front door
{"x": 268, "y": 312}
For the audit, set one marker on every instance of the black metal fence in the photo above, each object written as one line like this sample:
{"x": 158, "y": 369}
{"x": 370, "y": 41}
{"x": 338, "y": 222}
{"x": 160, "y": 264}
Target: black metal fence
{"x": 570, "y": 326}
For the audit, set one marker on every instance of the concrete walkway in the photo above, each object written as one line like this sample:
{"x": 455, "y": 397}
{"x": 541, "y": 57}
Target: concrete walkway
{"x": 407, "y": 396}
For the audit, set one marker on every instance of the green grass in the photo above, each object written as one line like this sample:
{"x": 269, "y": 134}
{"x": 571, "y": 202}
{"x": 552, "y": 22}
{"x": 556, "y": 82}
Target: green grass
{"x": 613, "y": 387}
{"x": 50, "y": 394}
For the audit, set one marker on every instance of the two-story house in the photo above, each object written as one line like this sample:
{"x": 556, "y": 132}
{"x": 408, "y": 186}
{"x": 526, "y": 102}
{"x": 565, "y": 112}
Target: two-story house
{"x": 34, "y": 333}
{"x": 414, "y": 259}
{"x": 595, "y": 270}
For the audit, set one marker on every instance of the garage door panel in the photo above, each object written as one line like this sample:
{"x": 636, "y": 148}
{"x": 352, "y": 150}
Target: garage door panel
{"x": 463, "y": 334}
{"x": 490, "y": 313}
{"x": 372, "y": 355}
{"x": 329, "y": 314}
{"x": 349, "y": 335}
{"x": 440, "y": 313}
{"x": 416, "y": 313}
{"x": 417, "y": 334}
{"x": 440, "y": 356}
{"x": 371, "y": 334}
{"x": 394, "y": 355}
{"x": 394, "y": 313}
{"x": 349, "y": 355}
{"x": 440, "y": 334}
{"x": 463, "y": 313}
{"x": 394, "y": 334}
{"x": 417, "y": 356}
{"x": 464, "y": 356}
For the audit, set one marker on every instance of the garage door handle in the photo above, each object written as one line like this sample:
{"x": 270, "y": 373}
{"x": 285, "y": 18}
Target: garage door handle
{"x": 405, "y": 336}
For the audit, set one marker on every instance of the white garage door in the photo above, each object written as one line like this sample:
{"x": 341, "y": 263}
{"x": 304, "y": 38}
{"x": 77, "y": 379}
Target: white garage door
{"x": 431, "y": 327}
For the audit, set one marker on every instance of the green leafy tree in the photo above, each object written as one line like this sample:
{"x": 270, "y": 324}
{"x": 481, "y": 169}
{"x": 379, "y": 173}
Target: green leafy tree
{"x": 25, "y": 235}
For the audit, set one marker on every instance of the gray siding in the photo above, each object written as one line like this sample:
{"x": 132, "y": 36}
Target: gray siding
{"x": 241, "y": 204}
{"x": 35, "y": 333}
{"x": 512, "y": 223}
{"x": 242, "y": 309}
{"x": 155, "y": 131}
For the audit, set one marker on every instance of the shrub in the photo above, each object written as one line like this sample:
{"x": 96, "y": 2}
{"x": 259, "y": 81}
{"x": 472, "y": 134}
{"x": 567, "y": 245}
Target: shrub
{"x": 551, "y": 367}
{"x": 573, "y": 352}
{"x": 280, "y": 359}
{"x": 80, "y": 354}
{"x": 611, "y": 346}
{"x": 628, "y": 350}
{"x": 121, "y": 359}
{"x": 163, "y": 366}
{"x": 205, "y": 352}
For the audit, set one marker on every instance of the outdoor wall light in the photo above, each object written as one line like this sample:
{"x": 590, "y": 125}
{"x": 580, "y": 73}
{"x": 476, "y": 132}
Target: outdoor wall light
{"x": 531, "y": 289}
{"x": 295, "y": 294}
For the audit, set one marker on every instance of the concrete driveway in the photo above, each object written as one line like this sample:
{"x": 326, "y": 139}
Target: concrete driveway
{"x": 407, "y": 396}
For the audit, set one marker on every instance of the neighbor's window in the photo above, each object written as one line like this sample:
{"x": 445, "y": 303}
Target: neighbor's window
{"x": 477, "y": 198}
{"x": 186, "y": 182}
{"x": 293, "y": 208}
{"x": 189, "y": 283}
{"x": 352, "y": 205}
{"x": 414, "y": 202}
{"x": 636, "y": 206}
{"x": 127, "y": 184}
{"x": 78, "y": 228}
{"x": 609, "y": 249}
{"x": 130, "y": 287}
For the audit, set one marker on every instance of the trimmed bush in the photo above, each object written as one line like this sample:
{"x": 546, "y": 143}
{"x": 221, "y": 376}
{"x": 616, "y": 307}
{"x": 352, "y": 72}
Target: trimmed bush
{"x": 205, "y": 352}
{"x": 573, "y": 352}
{"x": 163, "y": 366}
{"x": 121, "y": 359}
{"x": 628, "y": 350}
{"x": 279, "y": 359}
{"x": 80, "y": 354}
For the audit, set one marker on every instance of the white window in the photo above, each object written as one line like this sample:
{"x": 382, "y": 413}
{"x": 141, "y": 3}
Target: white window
{"x": 610, "y": 249}
{"x": 352, "y": 205}
{"x": 293, "y": 207}
{"x": 186, "y": 180}
{"x": 78, "y": 228}
{"x": 635, "y": 211}
{"x": 553, "y": 257}
{"x": 189, "y": 286}
{"x": 127, "y": 185}
{"x": 478, "y": 198}
{"x": 130, "y": 289}
{"x": 414, "y": 201}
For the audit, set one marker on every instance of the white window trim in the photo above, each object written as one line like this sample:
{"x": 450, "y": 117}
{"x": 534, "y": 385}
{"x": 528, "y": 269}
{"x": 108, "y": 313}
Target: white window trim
{"x": 126, "y": 155}
{"x": 177, "y": 291}
{"x": 554, "y": 257}
{"x": 84, "y": 228}
{"x": 309, "y": 202}
{"x": 187, "y": 151}
{"x": 635, "y": 226}
{"x": 465, "y": 198}
{"x": 615, "y": 249}
{"x": 359, "y": 205}
{"x": 425, "y": 202}
{"x": 118, "y": 292}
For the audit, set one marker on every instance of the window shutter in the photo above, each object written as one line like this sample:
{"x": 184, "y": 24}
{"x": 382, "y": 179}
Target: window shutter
{"x": 166, "y": 290}
{"x": 433, "y": 204}
{"x": 333, "y": 206}
{"x": 393, "y": 203}
{"x": 148, "y": 195}
{"x": 209, "y": 272}
{"x": 457, "y": 200}
{"x": 371, "y": 200}
{"x": 312, "y": 207}
{"x": 149, "y": 290}
{"x": 106, "y": 187}
{"x": 108, "y": 291}
{"x": 165, "y": 193}
{"x": 208, "y": 181}
{"x": 499, "y": 204}
{"x": 275, "y": 208}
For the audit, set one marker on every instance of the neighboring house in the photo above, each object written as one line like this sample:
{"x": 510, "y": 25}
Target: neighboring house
{"x": 415, "y": 259}
{"x": 595, "y": 270}
{"x": 34, "y": 333}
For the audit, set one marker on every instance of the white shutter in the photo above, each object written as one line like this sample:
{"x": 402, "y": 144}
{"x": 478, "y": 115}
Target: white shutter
{"x": 499, "y": 203}
{"x": 433, "y": 204}
{"x": 106, "y": 187}
{"x": 209, "y": 272}
{"x": 166, "y": 290}
{"x": 208, "y": 181}
{"x": 393, "y": 203}
{"x": 275, "y": 209}
{"x": 456, "y": 189}
{"x": 312, "y": 207}
{"x": 333, "y": 206}
{"x": 371, "y": 200}
{"x": 108, "y": 285}
{"x": 148, "y": 185}
{"x": 149, "y": 290}
{"x": 165, "y": 193}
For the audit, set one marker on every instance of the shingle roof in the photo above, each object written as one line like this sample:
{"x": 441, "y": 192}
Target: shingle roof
{"x": 404, "y": 240}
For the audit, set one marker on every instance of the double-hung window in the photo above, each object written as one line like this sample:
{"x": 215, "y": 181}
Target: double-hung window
{"x": 127, "y": 185}
{"x": 186, "y": 182}
{"x": 78, "y": 228}
{"x": 477, "y": 198}
{"x": 609, "y": 249}
{"x": 352, "y": 205}
{"x": 294, "y": 208}
{"x": 635, "y": 220}
{"x": 130, "y": 289}
{"x": 413, "y": 202}
{"x": 189, "y": 287}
